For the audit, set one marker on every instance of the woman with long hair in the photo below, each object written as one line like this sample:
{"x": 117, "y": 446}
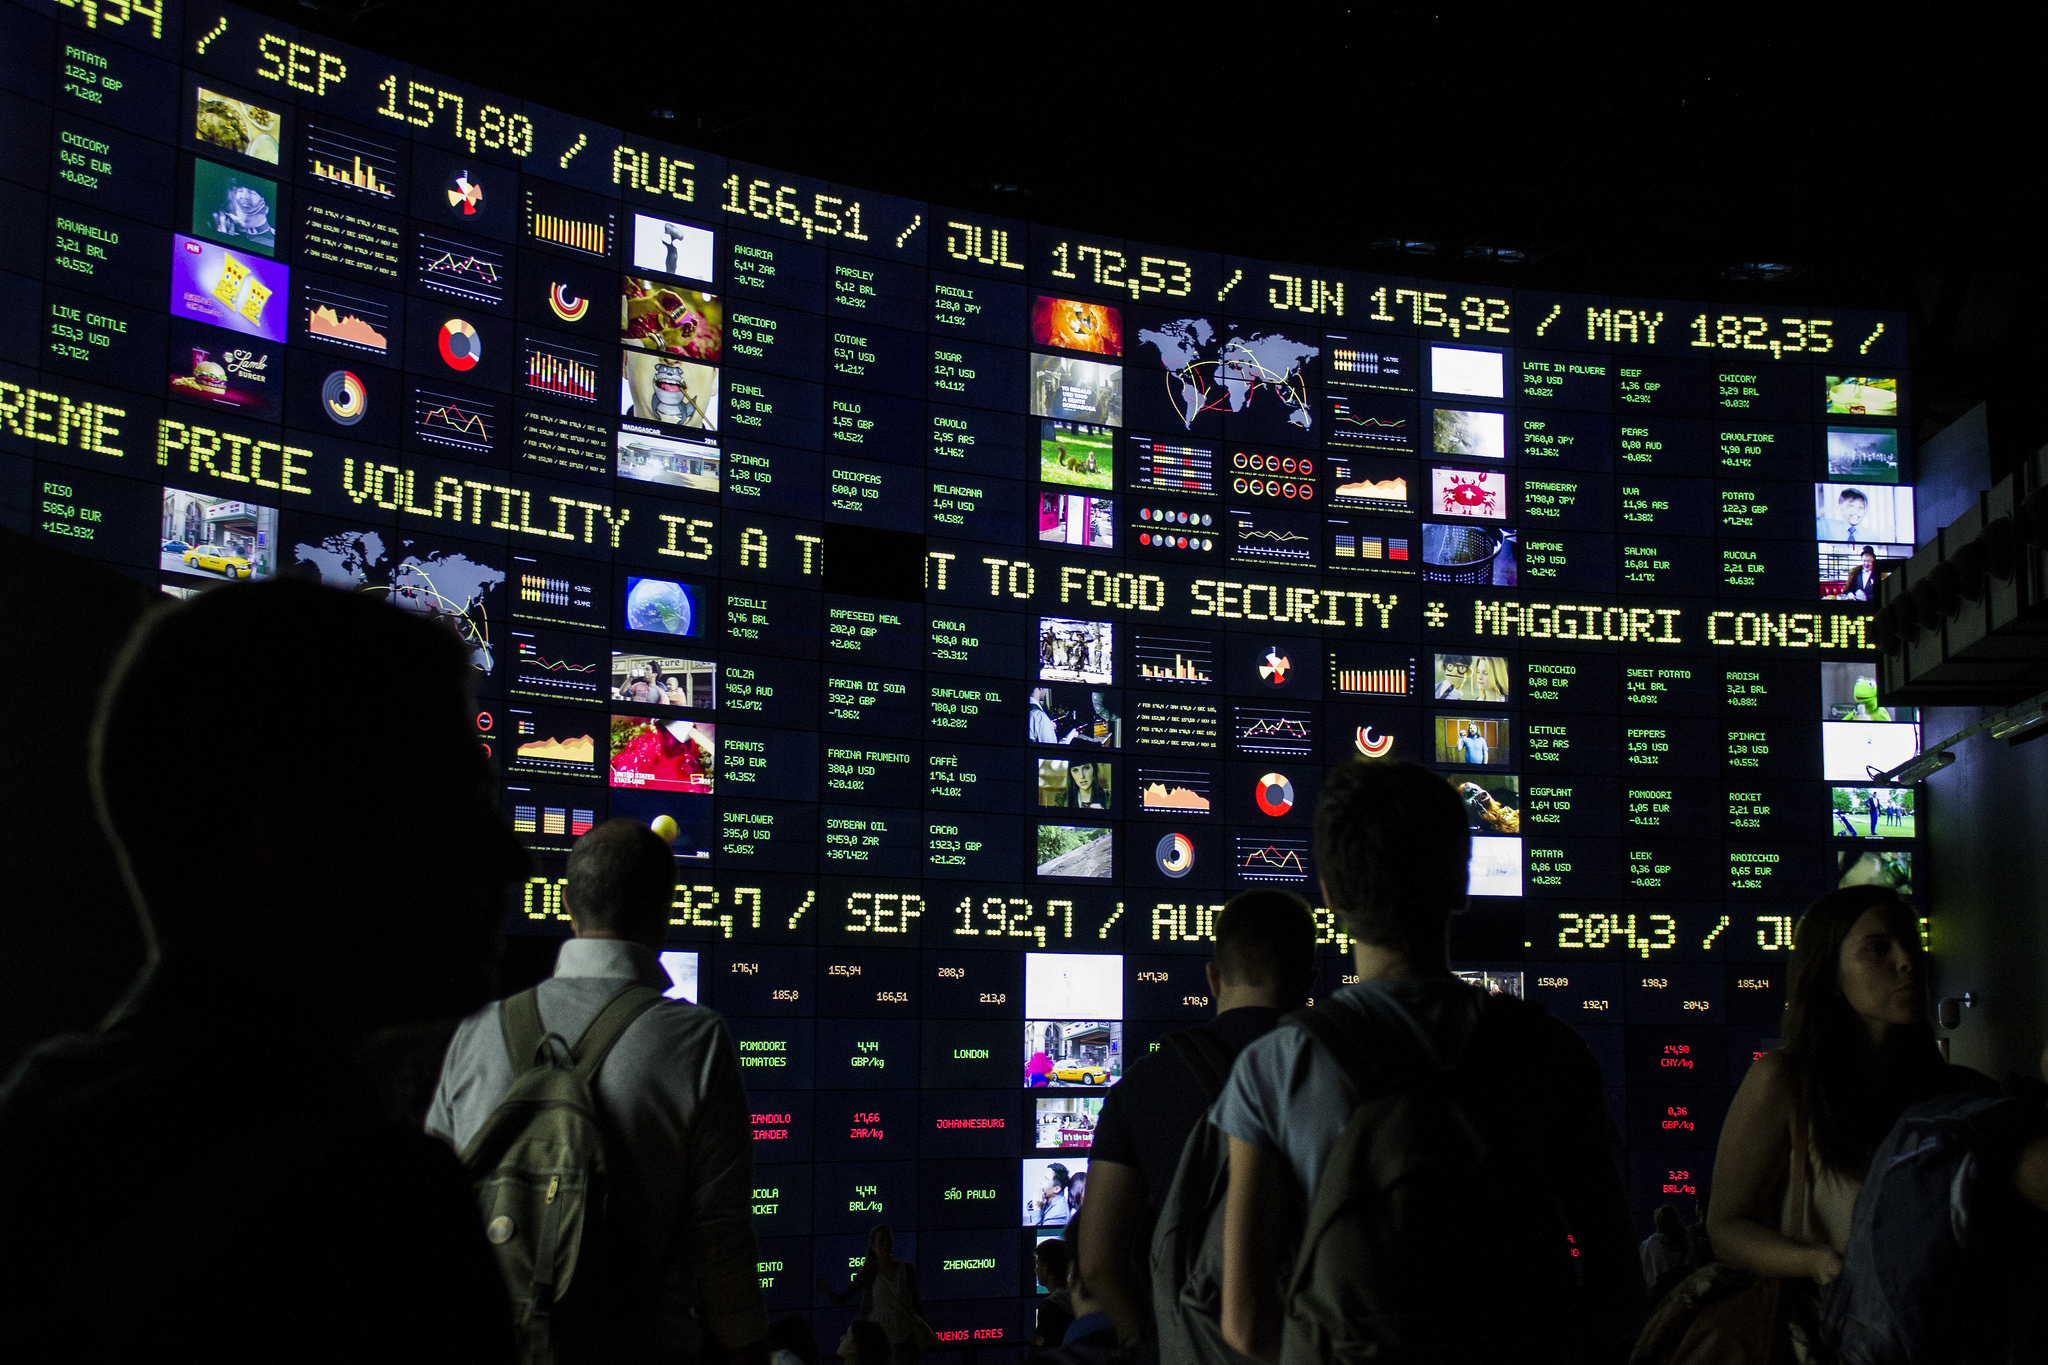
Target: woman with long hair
{"x": 888, "y": 1295}
{"x": 1809, "y": 1116}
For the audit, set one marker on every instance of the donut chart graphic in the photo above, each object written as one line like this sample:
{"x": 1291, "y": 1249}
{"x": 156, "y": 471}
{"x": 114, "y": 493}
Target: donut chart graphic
{"x": 1370, "y": 747}
{"x": 460, "y": 346}
{"x": 1275, "y": 794}
{"x": 345, "y": 398}
{"x": 1175, "y": 855}
{"x": 566, "y": 306}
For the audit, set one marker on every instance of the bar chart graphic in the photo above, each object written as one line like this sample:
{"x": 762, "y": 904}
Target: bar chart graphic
{"x": 558, "y": 371}
{"x": 592, "y": 236}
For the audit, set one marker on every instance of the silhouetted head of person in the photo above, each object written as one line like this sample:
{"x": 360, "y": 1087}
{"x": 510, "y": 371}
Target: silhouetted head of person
{"x": 1391, "y": 846}
{"x": 1266, "y": 943}
{"x": 865, "y": 1343}
{"x": 1049, "y": 1264}
{"x": 881, "y": 1243}
{"x": 355, "y": 848}
{"x": 792, "y": 1333}
{"x": 1670, "y": 1224}
{"x": 622, "y": 883}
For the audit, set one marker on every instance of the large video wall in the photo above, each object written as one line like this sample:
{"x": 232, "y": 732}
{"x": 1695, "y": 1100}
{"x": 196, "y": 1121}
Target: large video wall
{"x": 977, "y": 604}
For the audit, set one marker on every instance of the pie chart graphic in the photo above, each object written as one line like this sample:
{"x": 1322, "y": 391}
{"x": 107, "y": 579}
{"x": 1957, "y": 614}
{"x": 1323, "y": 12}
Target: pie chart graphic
{"x": 1370, "y": 745}
{"x": 461, "y": 347}
{"x": 1175, "y": 855}
{"x": 1276, "y": 668}
{"x": 465, "y": 196}
{"x": 1275, "y": 794}
{"x": 345, "y": 398}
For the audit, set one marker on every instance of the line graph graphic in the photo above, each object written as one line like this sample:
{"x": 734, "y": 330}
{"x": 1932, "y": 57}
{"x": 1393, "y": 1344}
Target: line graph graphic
{"x": 470, "y": 266}
{"x": 547, "y": 665}
{"x": 1265, "y": 536}
{"x": 462, "y": 423}
{"x": 1288, "y": 730}
{"x": 1360, "y": 421}
{"x": 461, "y": 270}
{"x": 554, "y": 666}
{"x": 1270, "y": 859}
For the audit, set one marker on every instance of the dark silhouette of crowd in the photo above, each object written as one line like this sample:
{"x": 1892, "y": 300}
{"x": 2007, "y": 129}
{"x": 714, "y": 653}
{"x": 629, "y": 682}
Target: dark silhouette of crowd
{"x": 1408, "y": 1168}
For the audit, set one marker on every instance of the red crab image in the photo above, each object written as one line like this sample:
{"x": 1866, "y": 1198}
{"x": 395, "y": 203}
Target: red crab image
{"x": 1470, "y": 496}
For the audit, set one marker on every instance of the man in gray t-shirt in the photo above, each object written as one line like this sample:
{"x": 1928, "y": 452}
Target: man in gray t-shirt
{"x": 1391, "y": 846}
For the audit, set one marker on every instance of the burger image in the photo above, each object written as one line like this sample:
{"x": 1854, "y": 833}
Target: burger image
{"x": 207, "y": 379}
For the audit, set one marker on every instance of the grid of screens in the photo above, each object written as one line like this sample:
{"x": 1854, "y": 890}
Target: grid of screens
{"x": 656, "y": 434}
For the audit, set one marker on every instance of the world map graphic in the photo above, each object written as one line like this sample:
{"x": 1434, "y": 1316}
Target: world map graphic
{"x": 452, "y": 588}
{"x": 1208, "y": 369}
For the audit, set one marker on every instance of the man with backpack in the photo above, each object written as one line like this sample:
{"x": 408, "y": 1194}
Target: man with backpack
{"x": 606, "y": 1132}
{"x": 1264, "y": 966}
{"x": 1418, "y": 1170}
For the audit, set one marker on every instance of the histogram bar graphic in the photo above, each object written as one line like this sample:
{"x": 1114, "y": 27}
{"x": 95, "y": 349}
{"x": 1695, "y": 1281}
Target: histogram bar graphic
{"x": 561, "y": 375}
{"x": 355, "y": 175}
{"x": 1181, "y": 670}
{"x": 575, "y": 233}
{"x": 1381, "y": 682}
{"x": 359, "y": 164}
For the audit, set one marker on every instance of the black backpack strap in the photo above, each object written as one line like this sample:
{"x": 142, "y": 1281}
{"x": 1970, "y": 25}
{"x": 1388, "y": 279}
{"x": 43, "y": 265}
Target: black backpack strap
{"x": 519, "y": 1017}
{"x": 610, "y": 1025}
{"x": 1199, "y": 1051}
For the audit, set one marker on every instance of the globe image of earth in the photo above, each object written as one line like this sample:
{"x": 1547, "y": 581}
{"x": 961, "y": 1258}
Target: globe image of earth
{"x": 658, "y": 605}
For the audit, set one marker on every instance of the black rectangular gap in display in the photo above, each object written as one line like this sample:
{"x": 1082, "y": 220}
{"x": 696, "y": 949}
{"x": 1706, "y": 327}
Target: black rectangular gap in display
{"x": 862, "y": 561}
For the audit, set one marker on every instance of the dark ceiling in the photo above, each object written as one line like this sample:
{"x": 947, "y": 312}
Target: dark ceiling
{"x": 1891, "y": 161}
